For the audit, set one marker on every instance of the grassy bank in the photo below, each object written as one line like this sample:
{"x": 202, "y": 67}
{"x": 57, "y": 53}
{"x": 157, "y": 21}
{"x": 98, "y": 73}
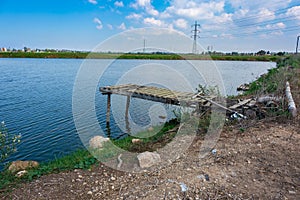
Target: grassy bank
{"x": 82, "y": 158}
{"x": 154, "y": 56}
{"x": 274, "y": 81}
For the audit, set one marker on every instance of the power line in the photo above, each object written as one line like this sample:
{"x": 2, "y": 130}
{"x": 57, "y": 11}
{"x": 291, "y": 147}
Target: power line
{"x": 287, "y": 29}
{"x": 273, "y": 21}
{"x": 248, "y": 26}
{"x": 252, "y": 18}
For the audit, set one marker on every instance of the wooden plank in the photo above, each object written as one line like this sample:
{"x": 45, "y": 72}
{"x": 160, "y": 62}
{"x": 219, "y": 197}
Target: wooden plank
{"x": 244, "y": 102}
{"x": 151, "y": 93}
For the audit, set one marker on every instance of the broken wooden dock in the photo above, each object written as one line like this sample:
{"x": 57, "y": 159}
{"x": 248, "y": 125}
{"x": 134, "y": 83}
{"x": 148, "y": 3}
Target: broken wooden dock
{"x": 156, "y": 94}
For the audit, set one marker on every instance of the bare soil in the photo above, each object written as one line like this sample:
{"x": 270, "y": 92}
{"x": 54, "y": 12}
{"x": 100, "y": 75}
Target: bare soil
{"x": 263, "y": 162}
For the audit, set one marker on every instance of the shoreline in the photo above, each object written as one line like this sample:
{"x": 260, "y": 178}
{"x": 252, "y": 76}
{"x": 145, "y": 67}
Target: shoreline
{"x": 83, "y": 160}
{"x": 146, "y": 56}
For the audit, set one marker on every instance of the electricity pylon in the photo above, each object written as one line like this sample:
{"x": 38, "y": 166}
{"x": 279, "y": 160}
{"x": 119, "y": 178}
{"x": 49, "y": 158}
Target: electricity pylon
{"x": 195, "y": 35}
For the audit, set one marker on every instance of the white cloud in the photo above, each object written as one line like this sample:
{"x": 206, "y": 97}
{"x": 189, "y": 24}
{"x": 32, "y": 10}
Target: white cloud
{"x": 134, "y": 16}
{"x": 110, "y": 26}
{"x": 256, "y": 5}
{"x": 270, "y": 27}
{"x": 152, "y": 21}
{"x": 93, "y": 2}
{"x": 279, "y": 25}
{"x": 265, "y": 15}
{"x": 98, "y": 22}
{"x": 195, "y": 9}
{"x": 146, "y": 5}
{"x": 181, "y": 23}
{"x": 119, "y": 4}
{"x": 226, "y": 35}
{"x": 294, "y": 12}
{"x": 122, "y": 26}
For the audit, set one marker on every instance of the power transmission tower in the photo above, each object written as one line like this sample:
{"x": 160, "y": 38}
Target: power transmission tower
{"x": 195, "y": 35}
{"x": 297, "y": 44}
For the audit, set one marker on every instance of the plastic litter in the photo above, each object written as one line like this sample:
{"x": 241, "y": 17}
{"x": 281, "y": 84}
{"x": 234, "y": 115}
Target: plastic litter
{"x": 237, "y": 116}
{"x": 183, "y": 186}
{"x": 206, "y": 177}
{"x": 200, "y": 176}
{"x": 214, "y": 151}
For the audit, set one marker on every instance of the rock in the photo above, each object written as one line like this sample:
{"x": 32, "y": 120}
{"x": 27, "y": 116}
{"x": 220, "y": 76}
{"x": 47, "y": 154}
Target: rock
{"x": 97, "y": 142}
{"x": 135, "y": 141}
{"x": 148, "y": 159}
{"x": 251, "y": 114}
{"x": 21, "y": 173}
{"x": 17, "y": 166}
{"x": 89, "y": 192}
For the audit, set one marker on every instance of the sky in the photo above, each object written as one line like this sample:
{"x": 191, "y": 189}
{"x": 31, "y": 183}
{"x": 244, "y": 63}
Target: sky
{"x": 224, "y": 25}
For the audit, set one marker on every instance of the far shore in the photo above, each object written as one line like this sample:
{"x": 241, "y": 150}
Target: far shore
{"x": 153, "y": 56}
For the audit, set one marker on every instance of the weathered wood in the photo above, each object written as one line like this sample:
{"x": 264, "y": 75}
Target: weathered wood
{"x": 242, "y": 103}
{"x": 127, "y": 114}
{"x": 164, "y": 95}
{"x": 151, "y": 93}
{"x": 266, "y": 99}
{"x": 223, "y": 107}
{"x": 108, "y": 109}
{"x": 291, "y": 104}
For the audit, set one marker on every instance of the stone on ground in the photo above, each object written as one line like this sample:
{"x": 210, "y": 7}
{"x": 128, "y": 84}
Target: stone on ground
{"x": 19, "y": 165}
{"x": 97, "y": 142}
{"x": 148, "y": 159}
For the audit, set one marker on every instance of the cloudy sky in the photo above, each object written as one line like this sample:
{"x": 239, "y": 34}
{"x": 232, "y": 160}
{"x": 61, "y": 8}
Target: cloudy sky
{"x": 225, "y": 25}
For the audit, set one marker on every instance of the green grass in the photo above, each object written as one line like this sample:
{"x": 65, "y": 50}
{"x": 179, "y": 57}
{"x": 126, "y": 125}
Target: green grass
{"x": 274, "y": 81}
{"x": 147, "y": 137}
{"x": 83, "y": 159}
{"x": 80, "y": 159}
{"x": 155, "y": 56}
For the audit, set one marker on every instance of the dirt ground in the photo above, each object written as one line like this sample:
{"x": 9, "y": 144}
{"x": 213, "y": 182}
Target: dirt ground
{"x": 263, "y": 162}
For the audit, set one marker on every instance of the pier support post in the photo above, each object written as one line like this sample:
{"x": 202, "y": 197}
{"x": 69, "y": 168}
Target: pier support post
{"x": 108, "y": 110}
{"x": 127, "y": 114}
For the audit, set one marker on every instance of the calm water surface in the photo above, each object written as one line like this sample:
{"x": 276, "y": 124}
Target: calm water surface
{"x": 36, "y": 98}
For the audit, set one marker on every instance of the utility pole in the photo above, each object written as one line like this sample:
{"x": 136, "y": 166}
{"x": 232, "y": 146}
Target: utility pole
{"x": 195, "y": 35}
{"x": 297, "y": 44}
{"x": 144, "y": 49}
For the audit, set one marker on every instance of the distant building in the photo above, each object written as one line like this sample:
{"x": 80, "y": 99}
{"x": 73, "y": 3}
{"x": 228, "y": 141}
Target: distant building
{"x": 3, "y": 49}
{"x": 26, "y": 49}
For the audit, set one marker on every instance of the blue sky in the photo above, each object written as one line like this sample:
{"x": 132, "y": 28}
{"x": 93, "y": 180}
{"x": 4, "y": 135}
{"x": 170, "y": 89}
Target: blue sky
{"x": 226, "y": 25}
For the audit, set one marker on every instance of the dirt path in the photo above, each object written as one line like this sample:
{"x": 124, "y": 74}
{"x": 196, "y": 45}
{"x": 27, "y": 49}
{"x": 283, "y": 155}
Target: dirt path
{"x": 261, "y": 163}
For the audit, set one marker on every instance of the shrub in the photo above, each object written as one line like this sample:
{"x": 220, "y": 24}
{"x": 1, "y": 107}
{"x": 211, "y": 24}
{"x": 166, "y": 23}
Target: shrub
{"x": 8, "y": 142}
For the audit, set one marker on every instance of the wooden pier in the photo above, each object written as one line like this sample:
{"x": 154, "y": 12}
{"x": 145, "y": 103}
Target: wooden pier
{"x": 156, "y": 94}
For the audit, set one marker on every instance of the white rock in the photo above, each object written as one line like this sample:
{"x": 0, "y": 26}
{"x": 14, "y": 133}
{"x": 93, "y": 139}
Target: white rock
{"x": 148, "y": 159}
{"x": 97, "y": 142}
{"x": 21, "y": 173}
{"x": 134, "y": 141}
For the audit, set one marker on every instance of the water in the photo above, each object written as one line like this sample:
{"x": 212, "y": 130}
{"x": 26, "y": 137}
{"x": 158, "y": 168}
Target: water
{"x": 36, "y": 96}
